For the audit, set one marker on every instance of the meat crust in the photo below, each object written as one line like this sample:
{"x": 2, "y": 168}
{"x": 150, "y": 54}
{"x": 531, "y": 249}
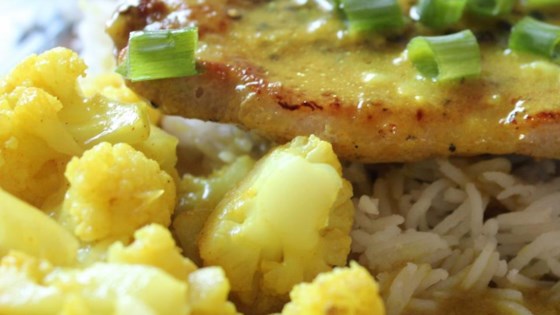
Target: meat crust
{"x": 285, "y": 70}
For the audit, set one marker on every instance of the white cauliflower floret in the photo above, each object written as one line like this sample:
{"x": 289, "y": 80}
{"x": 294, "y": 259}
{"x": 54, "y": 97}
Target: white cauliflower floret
{"x": 154, "y": 246}
{"x": 114, "y": 190}
{"x": 286, "y": 222}
{"x": 343, "y": 291}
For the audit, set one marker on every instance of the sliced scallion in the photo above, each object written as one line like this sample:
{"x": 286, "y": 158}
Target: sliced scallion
{"x": 373, "y": 15}
{"x": 160, "y": 54}
{"x": 530, "y": 35}
{"x": 122, "y": 68}
{"x": 446, "y": 57}
{"x": 540, "y": 3}
{"x": 490, "y": 7}
{"x": 440, "y": 13}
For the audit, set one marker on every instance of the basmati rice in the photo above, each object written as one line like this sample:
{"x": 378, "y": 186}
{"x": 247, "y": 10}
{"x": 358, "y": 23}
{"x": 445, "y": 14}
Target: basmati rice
{"x": 473, "y": 227}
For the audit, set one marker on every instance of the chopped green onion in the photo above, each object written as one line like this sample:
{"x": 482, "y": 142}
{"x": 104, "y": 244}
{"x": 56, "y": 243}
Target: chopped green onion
{"x": 540, "y": 3}
{"x": 530, "y": 35}
{"x": 440, "y": 13}
{"x": 160, "y": 54}
{"x": 490, "y": 7}
{"x": 122, "y": 68}
{"x": 445, "y": 57}
{"x": 373, "y": 15}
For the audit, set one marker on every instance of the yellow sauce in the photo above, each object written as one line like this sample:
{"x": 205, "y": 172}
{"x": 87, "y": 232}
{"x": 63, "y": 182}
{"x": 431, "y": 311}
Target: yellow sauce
{"x": 307, "y": 48}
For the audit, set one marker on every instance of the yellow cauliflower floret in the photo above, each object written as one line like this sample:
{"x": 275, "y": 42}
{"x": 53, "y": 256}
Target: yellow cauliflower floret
{"x": 106, "y": 287}
{"x": 342, "y": 291}
{"x": 162, "y": 148}
{"x": 208, "y": 292}
{"x": 102, "y": 120}
{"x": 286, "y": 222}
{"x": 21, "y": 273}
{"x": 54, "y": 71}
{"x": 115, "y": 190}
{"x": 36, "y": 113}
{"x": 113, "y": 86}
{"x": 45, "y": 119}
{"x": 34, "y": 142}
{"x": 29, "y": 266}
{"x": 198, "y": 196}
{"x": 99, "y": 289}
{"x": 27, "y": 229}
{"x": 90, "y": 120}
{"x": 154, "y": 246}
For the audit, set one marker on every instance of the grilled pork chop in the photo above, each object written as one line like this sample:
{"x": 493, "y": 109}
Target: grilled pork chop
{"x": 290, "y": 67}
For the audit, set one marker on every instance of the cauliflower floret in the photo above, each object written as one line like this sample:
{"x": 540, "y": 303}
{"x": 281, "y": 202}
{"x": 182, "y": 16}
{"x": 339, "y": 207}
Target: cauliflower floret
{"x": 343, "y": 291}
{"x": 89, "y": 120}
{"x": 102, "y": 120}
{"x": 114, "y": 190}
{"x": 160, "y": 145}
{"x": 105, "y": 287}
{"x": 108, "y": 288}
{"x": 54, "y": 71}
{"x": 99, "y": 289}
{"x": 31, "y": 231}
{"x": 35, "y": 143}
{"x": 209, "y": 289}
{"x": 198, "y": 196}
{"x": 153, "y": 246}
{"x": 113, "y": 86}
{"x": 22, "y": 273}
{"x": 286, "y": 222}
{"x": 31, "y": 267}
{"x": 44, "y": 120}
{"x": 162, "y": 148}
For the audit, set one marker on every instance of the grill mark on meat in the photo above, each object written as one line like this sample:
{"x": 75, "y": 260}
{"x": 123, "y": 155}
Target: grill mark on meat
{"x": 419, "y": 115}
{"x": 305, "y": 104}
{"x": 544, "y": 117}
{"x": 287, "y": 106}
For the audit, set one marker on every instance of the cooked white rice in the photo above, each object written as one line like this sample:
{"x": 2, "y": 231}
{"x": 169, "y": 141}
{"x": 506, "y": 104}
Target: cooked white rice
{"x": 469, "y": 226}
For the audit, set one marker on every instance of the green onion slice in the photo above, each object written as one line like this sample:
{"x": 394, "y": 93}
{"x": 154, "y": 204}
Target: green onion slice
{"x": 373, "y": 15}
{"x": 122, "y": 68}
{"x": 490, "y": 7}
{"x": 530, "y": 35}
{"x": 440, "y": 13}
{"x": 160, "y": 54}
{"x": 445, "y": 57}
{"x": 540, "y": 3}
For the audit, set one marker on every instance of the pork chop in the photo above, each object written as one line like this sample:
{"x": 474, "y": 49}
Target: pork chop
{"x": 291, "y": 67}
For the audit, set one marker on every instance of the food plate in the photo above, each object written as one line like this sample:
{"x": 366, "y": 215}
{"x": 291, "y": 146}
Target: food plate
{"x": 108, "y": 207}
